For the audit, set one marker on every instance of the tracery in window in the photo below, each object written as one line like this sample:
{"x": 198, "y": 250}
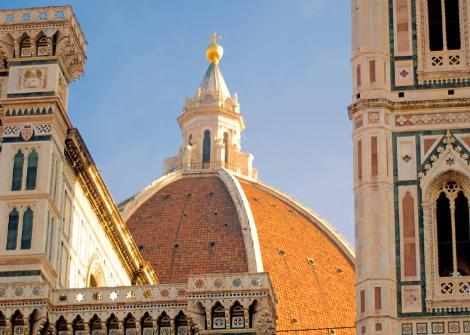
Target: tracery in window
{"x": 444, "y": 25}
{"x": 181, "y": 324}
{"x": 237, "y": 319}
{"x": 25, "y": 47}
{"x": 218, "y": 316}
{"x": 453, "y": 231}
{"x": 42, "y": 46}
{"x": 164, "y": 324}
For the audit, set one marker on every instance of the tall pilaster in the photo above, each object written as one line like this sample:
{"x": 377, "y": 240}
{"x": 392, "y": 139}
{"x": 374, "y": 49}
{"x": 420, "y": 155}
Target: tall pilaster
{"x": 373, "y": 171}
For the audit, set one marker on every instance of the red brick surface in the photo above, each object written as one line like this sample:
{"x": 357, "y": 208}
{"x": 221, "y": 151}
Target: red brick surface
{"x": 318, "y": 296}
{"x": 311, "y": 297}
{"x": 190, "y": 226}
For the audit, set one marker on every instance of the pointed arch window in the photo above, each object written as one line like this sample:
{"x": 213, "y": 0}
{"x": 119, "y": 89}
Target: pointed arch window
{"x": 206, "y": 147}
{"x": 453, "y": 231}
{"x": 218, "y": 316}
{"x": 12, "y": 234}
{"x": 32, "y": 170}
{"x": 164, "y": 325}
{"x": 42, "y": 46}
{"x": 27, "y": 231}
{"x": 444, "y": 25}
{"x": 237, "y": 316}
{"x": 17, "y": 180}
{"x": 181, "y": 324}
{"x": 25, "y": 47}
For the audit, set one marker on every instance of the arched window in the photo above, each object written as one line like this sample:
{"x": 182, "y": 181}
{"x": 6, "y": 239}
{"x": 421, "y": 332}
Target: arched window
{"x": 12, "y": 234}
{"x": 447, "y": 17}
{"x": 61, "y": 326}
{"x": 78, "y": 326}
{"x": 453, "y": 231}
{"x": 17, "y": 180}
{"x": 237, "y": 317}
{"x": 462, "y": 234}
{"x": 226, "y": 148}
{"x": 164, "y": 324}
{"x": 95, "y": 325}
{"x": 112, "y": 324}
{"x": 130, "y": 325}
{"x": 25, "y": 47}
{"x": 206, "y": 147}
{"x": 147, "y": 324}
{"x": 42, "y": 46}
{"x": 27, "y": 231}
{"x": 17, "y": 322}
{"x": 32, "y": 170}
{"x": 190, "y": 140}
{"x": 218, "y": 316}
{"x": 181, "y": 324}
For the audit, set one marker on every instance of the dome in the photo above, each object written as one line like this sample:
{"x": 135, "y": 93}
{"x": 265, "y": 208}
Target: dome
{"x": 215, "y": 221}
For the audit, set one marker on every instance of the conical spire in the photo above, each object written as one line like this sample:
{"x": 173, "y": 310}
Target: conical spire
{"x": 213, "y": 82}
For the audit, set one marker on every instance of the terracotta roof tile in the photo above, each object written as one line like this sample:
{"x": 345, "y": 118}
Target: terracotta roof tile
{"x": 317, "y": 295}
{"x": 184, "y": 229}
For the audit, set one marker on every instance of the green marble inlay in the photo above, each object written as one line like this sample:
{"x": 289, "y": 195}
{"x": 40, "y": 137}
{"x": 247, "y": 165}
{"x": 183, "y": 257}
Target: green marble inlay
{"x": 396, "y": 184}
{"x": 414, "y": 57}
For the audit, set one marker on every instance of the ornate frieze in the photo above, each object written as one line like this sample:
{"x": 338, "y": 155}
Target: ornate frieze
{"x": 197, "y": 297}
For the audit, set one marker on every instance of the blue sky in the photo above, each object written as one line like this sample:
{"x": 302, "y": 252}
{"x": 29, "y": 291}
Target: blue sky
{"x": 288, "y": 60}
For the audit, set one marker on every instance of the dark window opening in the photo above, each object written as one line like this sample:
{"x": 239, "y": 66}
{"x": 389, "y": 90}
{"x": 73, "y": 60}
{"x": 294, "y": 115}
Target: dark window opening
{"x": 206, "y": 147}
{"x": 164, "y": 324}
{"x": 218, "y": 316}
{"x": 95, "y": 323}
{"x": 462, "y": 230}
{"x": 12, "y": 234}
{"x": 32, "y": 170}
{"x": 25, "y": 47}
{"x": 27, "y": 231}
{"x": 452, "y": 24}
{"x": 436, "y": 42}
{"x": 17, "y": 171}
{"x": 444, "y": 236}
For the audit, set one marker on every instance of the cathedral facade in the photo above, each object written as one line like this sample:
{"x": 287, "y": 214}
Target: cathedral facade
{"x": 207, "y": 248}
{"x": 411, "y": 140}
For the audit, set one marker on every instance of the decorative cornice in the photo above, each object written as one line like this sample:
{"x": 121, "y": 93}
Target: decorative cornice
{"x": 101, "y": 201}
{"x": 405, "y": 106}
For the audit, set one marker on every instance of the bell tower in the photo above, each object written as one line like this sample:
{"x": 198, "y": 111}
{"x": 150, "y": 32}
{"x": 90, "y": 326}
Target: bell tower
{"x": 211, "y": 125}
{"x": 42, "y": 50}
{"x": 411, "y": 145}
